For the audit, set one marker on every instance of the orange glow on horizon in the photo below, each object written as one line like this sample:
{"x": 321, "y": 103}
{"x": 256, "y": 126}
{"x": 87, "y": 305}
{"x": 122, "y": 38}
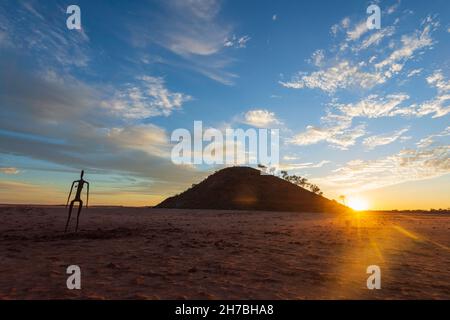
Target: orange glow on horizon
{"x": 358, "y": 203}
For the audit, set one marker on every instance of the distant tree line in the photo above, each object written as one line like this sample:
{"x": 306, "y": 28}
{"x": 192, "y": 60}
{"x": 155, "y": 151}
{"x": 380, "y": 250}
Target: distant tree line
{"x": 301, "y": 182}
{"x": 297, "y": 180}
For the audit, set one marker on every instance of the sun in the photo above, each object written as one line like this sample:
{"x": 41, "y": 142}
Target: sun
{"x": 358, "y": 204}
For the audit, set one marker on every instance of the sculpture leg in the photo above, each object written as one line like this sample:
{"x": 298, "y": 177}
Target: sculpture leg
{"x": 70, "y": 214}
{"x": 80, "y": 206}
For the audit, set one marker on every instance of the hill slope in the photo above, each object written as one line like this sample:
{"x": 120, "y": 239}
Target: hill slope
{"x": 244, "y": 188}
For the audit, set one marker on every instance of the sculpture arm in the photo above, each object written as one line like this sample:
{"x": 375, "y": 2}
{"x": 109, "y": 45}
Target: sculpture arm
{"x": 70, "y": 193}
{"x": 87, "y": 197}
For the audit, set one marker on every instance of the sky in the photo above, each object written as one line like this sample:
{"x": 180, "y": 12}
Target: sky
{"x": 361, "y": 112}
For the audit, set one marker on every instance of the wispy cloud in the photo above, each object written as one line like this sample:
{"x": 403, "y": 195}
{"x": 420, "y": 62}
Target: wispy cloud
{"x": 438, "y": 106}
{"x": 237, "y": 42}
{"x": 393, "y": 8}
{"x": 375, "y": 38}
{"x": 357, "y": 31}
{"x": 342, "y": 25}
{"x": 430, "y": 140}
{"x": 406, "y": 165}
{"x": 190, "y": 27}
{"x": 373, "y": 106}
{"x": 317, "y": 58}
{"x": 410, "y": 44}
{"x": 192, "y": 31}
{"x": 346, "y": 72}
{"x": 303, "y": 166}
{"x": 414, "y": 72}
{"x": 9, "y": 170}
{"x": 48, "y": 42}
{"x": 337, "y": 131}
{"x": 383, "y": 139}
{"x": 91, "y": 137}
{"x": 438, "y": 81}
{"x": 341, "y": 75}
{"x": 147, "y": 98}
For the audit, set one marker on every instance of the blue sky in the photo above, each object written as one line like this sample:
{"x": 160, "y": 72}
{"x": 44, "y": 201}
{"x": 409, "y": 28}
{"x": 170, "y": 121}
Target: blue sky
{"x": 361, "y": 112}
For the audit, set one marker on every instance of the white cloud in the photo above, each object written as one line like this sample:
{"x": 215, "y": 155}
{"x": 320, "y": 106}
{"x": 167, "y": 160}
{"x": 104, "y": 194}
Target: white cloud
{"x": 242, "y": 42}
{"x": 237, "y": 42}
{"x": 290, "y": 158}
{"x": 430, "y": 140}
{"x": 334, "y": 29}
{"x": 414, "y": 72}
{"x": 383, "y": 139}
{"x": 437, "y": 80}
{"x": 337, "y": 131}
{"x": 317, "y": 58}
{"x": 28, "y": 6}
{"x": 260, "y": 118}
{"x": 410, "y": 45}
{"x": 191, "y": 28}
{"x": 373, "y": 106}
{"x": 406, "y": 165}
{"x": 393, "y": 8}
{"x": 357, "y": 31}
{"x": 344, "y": 24}
{"x": 376, "y": 38}
{"x": 97, "y": 139}
{"x": 438, "y": 106}
{"x": 341, "y": 75}
{"x": 40, "y": 38}
{"x": 146, "y": 137}
{"x": 303, "y": 166}
{"x": 347, "y": 74}
{"x": 194, "y": 31}
{"x": 9, "y": 170}
{"x": 274, "y": 17}
{"x": 148, "y": 98}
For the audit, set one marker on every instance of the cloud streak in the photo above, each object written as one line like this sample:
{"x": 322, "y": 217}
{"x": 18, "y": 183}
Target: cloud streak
{"x": 71, "y": 129}
{"x": 406, "y": 165}
{"x": 193, "y": 32}
{"x": 148, "y": 98}
{"x": 383, "y": 139}
{"x": 9, "y": 170}
{"x": 337, "y": 131}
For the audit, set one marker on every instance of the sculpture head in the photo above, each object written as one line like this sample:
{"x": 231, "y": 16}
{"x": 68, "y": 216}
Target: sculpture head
{"x": 82, "y": 174}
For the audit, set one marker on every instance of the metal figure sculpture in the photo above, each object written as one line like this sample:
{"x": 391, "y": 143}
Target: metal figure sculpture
{"x": 80, "y": 184}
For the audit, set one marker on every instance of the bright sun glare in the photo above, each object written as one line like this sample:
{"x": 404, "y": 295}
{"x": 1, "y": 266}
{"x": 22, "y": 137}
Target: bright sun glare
{"x": 358, "y": 204}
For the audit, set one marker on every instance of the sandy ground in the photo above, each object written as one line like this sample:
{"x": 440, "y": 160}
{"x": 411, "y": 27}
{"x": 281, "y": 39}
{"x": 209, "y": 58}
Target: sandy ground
{"x": 140, "y": 253}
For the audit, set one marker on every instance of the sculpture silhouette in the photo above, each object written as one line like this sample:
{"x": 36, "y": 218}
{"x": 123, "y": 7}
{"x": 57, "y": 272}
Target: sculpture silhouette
{"x": 80, "y": 184}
